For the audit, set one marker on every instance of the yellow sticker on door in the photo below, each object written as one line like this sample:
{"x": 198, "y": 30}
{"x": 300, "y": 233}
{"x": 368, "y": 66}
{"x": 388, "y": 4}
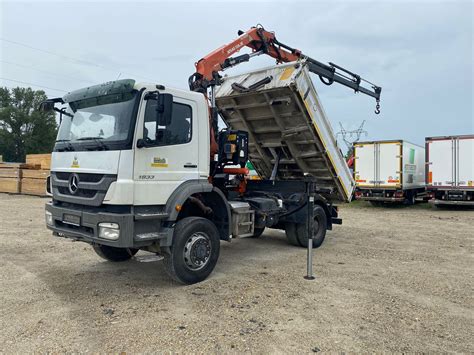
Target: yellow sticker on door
{"x": 159, "y": 162}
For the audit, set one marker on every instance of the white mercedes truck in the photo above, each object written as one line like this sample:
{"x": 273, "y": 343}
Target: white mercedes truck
{"x": 450, "y": 170}
{"x": 389, "y": 171}
{"x": 140, "y": 166}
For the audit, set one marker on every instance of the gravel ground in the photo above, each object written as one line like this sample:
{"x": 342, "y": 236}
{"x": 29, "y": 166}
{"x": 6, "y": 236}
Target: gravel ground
{"x": 388, "y": 279}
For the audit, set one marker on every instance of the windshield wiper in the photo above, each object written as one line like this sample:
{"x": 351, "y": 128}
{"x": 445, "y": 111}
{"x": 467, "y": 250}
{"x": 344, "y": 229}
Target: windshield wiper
{"x": 88, "y": 138}
{"x": 95, "y": 139}
{"x": 68, "y": 147}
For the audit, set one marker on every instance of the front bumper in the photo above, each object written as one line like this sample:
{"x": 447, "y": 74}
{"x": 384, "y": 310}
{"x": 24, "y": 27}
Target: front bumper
{"x": 134, "y": 232}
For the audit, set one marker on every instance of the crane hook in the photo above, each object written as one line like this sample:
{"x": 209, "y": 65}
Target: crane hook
{"x": 377, "y": 107}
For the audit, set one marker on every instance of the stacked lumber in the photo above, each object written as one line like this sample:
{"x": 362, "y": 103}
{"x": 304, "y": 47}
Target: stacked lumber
{"x": 43, "y": 160}
{"x": 26, "y": 178}
{"x": 34, "y": 174}
{"x": 10, "y": 177}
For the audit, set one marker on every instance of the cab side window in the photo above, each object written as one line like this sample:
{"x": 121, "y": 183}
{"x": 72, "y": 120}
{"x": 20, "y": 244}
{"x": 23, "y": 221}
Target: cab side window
{"x": 179, "y": 131}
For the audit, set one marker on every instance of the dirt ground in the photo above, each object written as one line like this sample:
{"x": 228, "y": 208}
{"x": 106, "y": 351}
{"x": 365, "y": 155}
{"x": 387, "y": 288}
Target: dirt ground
{"x": 388, "y": 279}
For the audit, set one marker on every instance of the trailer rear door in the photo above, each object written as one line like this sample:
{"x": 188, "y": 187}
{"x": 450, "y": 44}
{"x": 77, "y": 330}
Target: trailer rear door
{"x": 364, "y": 165}
{"x": 465, "y": 162}
{"x": 440, "y": 163}
{"x": 389, "y": 164}
{"x": 378, "y": 164}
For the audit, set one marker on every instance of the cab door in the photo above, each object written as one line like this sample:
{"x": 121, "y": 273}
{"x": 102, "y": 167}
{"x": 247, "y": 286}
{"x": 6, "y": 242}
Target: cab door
{"x": 171, "y": 152}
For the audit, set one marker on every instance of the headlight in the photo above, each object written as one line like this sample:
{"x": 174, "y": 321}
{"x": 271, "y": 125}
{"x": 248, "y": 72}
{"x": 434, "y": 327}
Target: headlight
{"x": 110, "y": 231}
{"x": 49, "y": 218}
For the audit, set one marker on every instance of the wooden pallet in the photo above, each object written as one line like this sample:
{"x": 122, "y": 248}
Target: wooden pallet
{"x": 10, "y": 176}
{"x": 34, "y": 174}
{"x": 10, "y": 173}
{"x": 43, "y": 160}
{"x": 20, "y": 166}
{"x": 10, "y": 185}
{"x": 33, "y": 186}
{"x": 27, "y": 178}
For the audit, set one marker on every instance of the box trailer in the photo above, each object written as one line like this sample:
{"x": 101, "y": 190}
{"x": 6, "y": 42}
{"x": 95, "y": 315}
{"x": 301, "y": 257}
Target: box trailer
{"x": 389, "y": 171}
{"x": 287, "y": 124}
{"x": 450, "y": 170}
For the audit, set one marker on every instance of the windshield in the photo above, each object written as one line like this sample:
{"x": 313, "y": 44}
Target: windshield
{"x": 105, "y": 118}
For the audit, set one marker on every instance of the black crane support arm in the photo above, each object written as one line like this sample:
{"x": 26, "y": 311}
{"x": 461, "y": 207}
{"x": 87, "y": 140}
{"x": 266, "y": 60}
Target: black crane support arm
{"x": 330, "y": 73}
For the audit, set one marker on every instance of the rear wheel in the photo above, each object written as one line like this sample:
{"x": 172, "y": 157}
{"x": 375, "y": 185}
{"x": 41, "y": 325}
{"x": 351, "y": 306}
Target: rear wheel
{"x": 194, "y": 252}
{"x": 298, "y": 236}
{"x": 114, "y": 254}
{"x": 290, "y": 230}
{"x": 410, "y": 200}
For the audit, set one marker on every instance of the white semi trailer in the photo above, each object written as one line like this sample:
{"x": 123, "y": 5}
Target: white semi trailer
{"x": 450, "y": 170}
{"x": 389, "y": 171}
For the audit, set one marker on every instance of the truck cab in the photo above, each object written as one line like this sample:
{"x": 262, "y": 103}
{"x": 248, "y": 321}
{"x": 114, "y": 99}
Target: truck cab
{"x": 131, "y": 170}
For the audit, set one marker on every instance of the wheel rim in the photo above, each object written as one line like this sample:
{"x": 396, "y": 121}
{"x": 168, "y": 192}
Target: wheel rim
{"x": 316, "y": 225}
{"x": 197, "y": 251}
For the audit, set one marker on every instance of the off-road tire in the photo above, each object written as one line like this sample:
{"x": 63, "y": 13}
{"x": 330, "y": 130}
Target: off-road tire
{"x": 291, "y": 237}
{"x": 114, "y": 254}
{"x": 296, "y": 233}
{"x": 257, "y": 232}
{"x": 175, "y": 264}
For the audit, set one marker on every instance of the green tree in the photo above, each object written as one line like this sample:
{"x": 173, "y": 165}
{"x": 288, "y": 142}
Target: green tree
{"x": 24, "y": 129}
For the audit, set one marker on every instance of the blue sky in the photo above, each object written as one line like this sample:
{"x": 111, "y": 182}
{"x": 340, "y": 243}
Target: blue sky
{"x": 420, "y": 52}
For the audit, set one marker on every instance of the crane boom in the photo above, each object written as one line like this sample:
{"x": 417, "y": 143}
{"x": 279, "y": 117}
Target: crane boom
{"x": 262, "y": 41}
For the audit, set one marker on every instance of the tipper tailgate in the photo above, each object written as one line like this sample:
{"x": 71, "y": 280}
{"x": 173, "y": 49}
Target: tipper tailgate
{"x": 285, "y": 118}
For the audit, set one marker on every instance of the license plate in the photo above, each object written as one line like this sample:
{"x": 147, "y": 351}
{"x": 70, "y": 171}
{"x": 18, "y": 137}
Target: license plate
{"x": 72, "y": 219}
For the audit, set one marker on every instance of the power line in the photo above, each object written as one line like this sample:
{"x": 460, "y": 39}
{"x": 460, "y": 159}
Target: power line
{"x": 80, "y": 61}
{"x": 350, "y": 137}
{"x": 27, "y": 83}
{"x": 46, "y": 72}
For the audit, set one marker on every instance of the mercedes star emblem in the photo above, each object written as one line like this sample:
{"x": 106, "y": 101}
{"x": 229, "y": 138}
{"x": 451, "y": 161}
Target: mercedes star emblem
{"x": 73, "y": 183}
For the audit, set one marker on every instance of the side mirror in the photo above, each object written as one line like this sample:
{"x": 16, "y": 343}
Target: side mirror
{"x": 141, "y": 143}
{"x": 48, "y": 105}
{"x": 164, "y": 109}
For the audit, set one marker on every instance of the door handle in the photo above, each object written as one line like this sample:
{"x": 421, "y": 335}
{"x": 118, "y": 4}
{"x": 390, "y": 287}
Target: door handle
{"x": 190, "y": 165}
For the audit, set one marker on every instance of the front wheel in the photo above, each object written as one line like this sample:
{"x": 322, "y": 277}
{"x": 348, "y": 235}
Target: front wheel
{"x": 257, "y": 232}
{"x": 195, "y": 250}
{"x": 114, "y": 254}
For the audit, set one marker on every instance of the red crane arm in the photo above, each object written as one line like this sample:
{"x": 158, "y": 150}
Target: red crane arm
{"x": 257, "y": 38}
